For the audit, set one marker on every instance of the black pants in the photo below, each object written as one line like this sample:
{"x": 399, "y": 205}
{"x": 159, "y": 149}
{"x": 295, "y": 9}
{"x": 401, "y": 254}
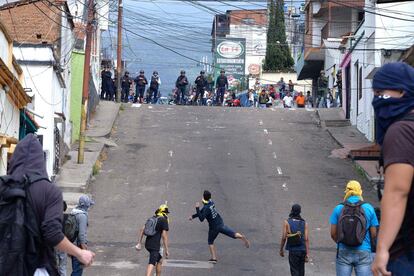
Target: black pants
{"x": 297, "y": 263}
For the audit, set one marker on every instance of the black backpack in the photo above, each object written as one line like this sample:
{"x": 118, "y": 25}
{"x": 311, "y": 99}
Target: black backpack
{"x": 71, "y": 227}
{"x": 352, "y": 222}
{"x": 20, "y": 238}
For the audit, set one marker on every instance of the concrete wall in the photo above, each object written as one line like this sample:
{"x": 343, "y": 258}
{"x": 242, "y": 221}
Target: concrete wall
{"x": 9, "y": 116}
{"x": 78, "y": 59}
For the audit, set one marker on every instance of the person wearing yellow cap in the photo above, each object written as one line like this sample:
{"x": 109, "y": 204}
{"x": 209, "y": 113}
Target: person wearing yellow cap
{"x": 353, "y": 227}
{"x": 154, "y": 229}
{"x": 215, "y": 224}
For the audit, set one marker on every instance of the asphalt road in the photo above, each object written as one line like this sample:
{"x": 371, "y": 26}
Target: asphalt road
{"x": 256, "y": 163}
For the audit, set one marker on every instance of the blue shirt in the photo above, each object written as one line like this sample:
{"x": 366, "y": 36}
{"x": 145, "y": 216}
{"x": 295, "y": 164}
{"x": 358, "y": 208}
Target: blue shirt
{"x": 372, "y": 221}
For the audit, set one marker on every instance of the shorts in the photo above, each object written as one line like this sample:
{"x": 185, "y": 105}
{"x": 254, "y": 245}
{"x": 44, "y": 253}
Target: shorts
{"x": 154, "y": 257}
{"x": 223, "y": 229}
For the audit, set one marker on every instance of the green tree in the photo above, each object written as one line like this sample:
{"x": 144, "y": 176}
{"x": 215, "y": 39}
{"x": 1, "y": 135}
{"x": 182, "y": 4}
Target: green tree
{"x": 278, "y": 57}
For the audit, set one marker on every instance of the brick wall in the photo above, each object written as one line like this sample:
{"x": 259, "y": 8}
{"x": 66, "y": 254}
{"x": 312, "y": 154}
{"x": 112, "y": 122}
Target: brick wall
{"x": 258, "y": 16}
{"x": 33, "y": 22}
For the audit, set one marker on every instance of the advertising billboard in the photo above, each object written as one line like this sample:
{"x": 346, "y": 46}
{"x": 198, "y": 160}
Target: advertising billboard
{"x": 230, "y": 55}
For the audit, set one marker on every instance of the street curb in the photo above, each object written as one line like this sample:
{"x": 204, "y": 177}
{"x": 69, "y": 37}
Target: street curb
{"x": 71, "y": 194}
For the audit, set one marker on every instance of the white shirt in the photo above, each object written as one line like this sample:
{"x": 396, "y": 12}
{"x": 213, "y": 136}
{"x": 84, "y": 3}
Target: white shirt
{"x": 288, "y": 100}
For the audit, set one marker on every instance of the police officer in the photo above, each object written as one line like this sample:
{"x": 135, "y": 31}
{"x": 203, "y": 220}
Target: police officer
{"x": 221, "y": 85}
{"x": 201, "y": 83}
{"x": 125, "y": 85}
{"x": 154, "y": 87}
{"x": 140, "y": 83}
{"x": 181, "y": 85}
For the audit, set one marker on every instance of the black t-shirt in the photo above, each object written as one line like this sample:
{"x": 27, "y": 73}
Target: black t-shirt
{"x": 398, "y": 147}
{"x": 154, "y": 242}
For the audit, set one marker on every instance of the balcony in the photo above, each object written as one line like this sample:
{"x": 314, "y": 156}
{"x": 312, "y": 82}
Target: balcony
{"x": 335, "y": 30}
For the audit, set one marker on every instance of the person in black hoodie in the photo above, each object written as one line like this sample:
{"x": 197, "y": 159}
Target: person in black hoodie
{"x": 140, "y": 84}
{"x": 215, "y": 224}
{"x": 47, "y": 202}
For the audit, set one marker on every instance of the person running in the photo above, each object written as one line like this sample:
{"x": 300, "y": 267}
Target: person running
{"x": 201, "y": 83}
{"x": 295, "y": 236}
{"x": 216, "y": 224}
{"x": 140, "y": 83}
{"x": 181, "y": 85}
{"x": 221, "y": 85}
{"x": 153, "y": 242}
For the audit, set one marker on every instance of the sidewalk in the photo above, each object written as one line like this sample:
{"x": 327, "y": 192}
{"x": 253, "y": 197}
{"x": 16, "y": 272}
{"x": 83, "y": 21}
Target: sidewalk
{"x": 348, "y": 137}
{"x": 74, "y": 178}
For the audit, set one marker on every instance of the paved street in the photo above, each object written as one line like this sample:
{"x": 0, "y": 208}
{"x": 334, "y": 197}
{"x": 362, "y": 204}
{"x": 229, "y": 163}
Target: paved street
{"x": 255, "y": 162}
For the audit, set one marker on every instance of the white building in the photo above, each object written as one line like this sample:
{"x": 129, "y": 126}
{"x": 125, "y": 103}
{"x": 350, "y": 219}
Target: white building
{"x": 13, "y": 99}
{"x": 383, "y": 36}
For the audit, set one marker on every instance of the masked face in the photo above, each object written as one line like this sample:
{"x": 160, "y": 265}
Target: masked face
{"x": 389, "y": 106}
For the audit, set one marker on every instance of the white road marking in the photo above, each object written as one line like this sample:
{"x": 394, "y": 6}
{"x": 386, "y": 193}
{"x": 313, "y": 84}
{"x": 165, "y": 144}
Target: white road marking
{"x": 118, "y": 265}
{"x": 265, "y": 131}
{"x": 136, "y": 105}
{"x": 170, "y": 152}
{"x": 285, "y": 188}
{"x": 187, "y": 264}
{"x": 270, "y": 142}
{"x": 168, "y": 168}
{"x": 279, "y": 171}
{"x": 260, "y": 123}
{"x": 274, "y": 155}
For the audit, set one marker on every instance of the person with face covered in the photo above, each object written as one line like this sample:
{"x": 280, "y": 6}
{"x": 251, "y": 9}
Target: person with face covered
{"x": 393, "y": 103}
{"x": 295, "y": 236}
{"x": 215, "y": 224}
{"x": 81, "y": 214}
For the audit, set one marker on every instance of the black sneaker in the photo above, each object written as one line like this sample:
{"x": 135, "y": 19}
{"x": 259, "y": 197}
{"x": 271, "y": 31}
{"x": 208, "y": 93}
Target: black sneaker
{"x": 212, "y": 261}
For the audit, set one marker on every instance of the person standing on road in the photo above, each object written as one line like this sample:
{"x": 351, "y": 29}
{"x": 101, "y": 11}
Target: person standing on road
{"x": 201, "y": 83}
{"x": 154, "y": 88}
{"x": 309, "y": 99}
{"x": 215, "y": 224}
{"x": 126, "y": 86}
{"x": 393, "y": 104}
{"x": 81, "y": 214}
{"x": 288, "y": 100}
{"x": 295, "y": 236}
{"x": 140, "y": 84}
{"x": 222, "y": 85}
{"x": 300, "y": 100}
{"x": 263, "y": 99}
{"x": 155, "y": 229}
{"x": 353, "y": 227}
{"x": 181, "y": 85}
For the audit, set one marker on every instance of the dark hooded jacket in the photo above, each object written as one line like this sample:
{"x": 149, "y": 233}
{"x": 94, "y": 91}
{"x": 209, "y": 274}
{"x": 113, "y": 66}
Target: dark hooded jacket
{"x": 47, "y": 202}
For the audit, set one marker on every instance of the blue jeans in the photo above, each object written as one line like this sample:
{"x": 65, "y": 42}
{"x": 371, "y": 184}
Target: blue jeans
{"x": 358, "y": 259}
{"x": 77, "y": 268}
{"x": 223, "y": 229}
{"x": 220, "y": 95}
{"x": 402, "y": 266}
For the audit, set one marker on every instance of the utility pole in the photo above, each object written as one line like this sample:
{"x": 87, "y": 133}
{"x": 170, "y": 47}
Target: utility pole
{"x": 119, "y": 54}
{"x": 86, "y": 77}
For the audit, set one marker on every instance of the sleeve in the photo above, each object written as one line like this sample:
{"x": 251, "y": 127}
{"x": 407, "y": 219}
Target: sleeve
{"x": 164, "y": 224}
{"x": 51, "y": 225}
{"x": 373, "y": 220}
{"x": 335, "y": 215}
{"x": 83, "y": 224}
{"x": 398, "y": 144}
{"x": 202, "y": 214}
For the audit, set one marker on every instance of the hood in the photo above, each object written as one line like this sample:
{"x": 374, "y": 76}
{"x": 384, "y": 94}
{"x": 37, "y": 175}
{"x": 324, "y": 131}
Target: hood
{"x": 28, "y": 159}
